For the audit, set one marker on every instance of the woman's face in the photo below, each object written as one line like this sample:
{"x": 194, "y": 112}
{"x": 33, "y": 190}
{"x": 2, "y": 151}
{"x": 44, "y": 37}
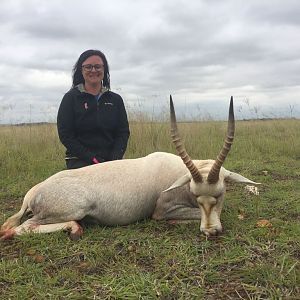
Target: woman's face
{"x": 93, "y": 70}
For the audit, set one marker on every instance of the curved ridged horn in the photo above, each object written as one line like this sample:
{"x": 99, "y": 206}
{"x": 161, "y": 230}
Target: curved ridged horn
{"x": 214, "y": 172}
{"x": 180, "y": 147}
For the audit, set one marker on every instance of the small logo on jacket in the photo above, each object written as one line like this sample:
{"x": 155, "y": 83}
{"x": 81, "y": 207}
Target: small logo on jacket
{"x": 86, "y": 106}
{"x": 108, "y": 103}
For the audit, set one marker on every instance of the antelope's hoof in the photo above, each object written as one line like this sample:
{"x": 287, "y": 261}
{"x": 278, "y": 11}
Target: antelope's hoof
{"x": 7, "y": 234}
{"x": 76, "y": 234}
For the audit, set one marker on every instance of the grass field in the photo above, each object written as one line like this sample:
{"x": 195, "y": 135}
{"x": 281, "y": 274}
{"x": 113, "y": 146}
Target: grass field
{"x": 257, "y": 256}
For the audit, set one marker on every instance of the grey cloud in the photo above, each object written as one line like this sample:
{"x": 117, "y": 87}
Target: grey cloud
{"x": 201, "y": 50}
{"x": 279, "y": 13}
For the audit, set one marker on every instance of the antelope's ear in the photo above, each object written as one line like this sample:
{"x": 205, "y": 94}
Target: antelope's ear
{"x": 180, "y": 182}
{"x": 235, "y": 177}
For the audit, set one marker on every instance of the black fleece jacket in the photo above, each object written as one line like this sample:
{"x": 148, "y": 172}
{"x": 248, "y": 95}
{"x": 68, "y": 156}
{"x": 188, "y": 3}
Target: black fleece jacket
{"x": 89, "y": 128}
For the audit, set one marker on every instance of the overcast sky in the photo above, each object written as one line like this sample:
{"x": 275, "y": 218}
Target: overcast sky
{"x": 201, "y": 52}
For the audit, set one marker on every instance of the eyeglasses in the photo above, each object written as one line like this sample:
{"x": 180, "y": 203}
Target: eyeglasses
{"x": 89, "y": 67}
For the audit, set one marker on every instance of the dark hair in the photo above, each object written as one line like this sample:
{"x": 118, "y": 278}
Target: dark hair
{"x": 77, "y": 69}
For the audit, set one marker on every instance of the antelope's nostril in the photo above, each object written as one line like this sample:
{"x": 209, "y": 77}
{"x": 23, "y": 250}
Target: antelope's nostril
{"x": 214, "y": 232}
{"x": 206, "y": 232}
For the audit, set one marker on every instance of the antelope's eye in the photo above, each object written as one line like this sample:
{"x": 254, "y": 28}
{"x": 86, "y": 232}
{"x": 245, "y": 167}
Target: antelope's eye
{"x": 218, "y": 195}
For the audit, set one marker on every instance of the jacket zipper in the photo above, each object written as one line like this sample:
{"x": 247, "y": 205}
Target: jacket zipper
{"x": 98, "y": 109}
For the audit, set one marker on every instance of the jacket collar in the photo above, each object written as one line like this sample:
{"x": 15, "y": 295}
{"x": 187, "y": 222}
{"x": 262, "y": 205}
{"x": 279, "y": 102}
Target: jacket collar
{"x": 81, "y": 89}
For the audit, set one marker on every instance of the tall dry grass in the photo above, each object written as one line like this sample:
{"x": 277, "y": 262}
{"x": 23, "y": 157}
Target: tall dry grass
{"x": 30, "y": 153}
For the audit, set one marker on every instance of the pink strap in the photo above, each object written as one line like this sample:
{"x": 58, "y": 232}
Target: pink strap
{"x": 95, "y": 160}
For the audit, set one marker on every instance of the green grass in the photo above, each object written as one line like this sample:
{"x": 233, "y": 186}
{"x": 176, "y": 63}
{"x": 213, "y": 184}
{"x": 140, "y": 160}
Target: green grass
{"x": 155, "y": 260}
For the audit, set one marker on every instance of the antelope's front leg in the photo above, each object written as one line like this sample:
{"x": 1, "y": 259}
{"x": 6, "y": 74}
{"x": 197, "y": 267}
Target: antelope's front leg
{"x": 177, "y": 206}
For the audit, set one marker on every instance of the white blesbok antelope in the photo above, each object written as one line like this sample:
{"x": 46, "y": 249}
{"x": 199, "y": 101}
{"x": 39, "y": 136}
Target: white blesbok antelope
{"x": 199, "y": 193}
{"x": 125, "y": 191}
